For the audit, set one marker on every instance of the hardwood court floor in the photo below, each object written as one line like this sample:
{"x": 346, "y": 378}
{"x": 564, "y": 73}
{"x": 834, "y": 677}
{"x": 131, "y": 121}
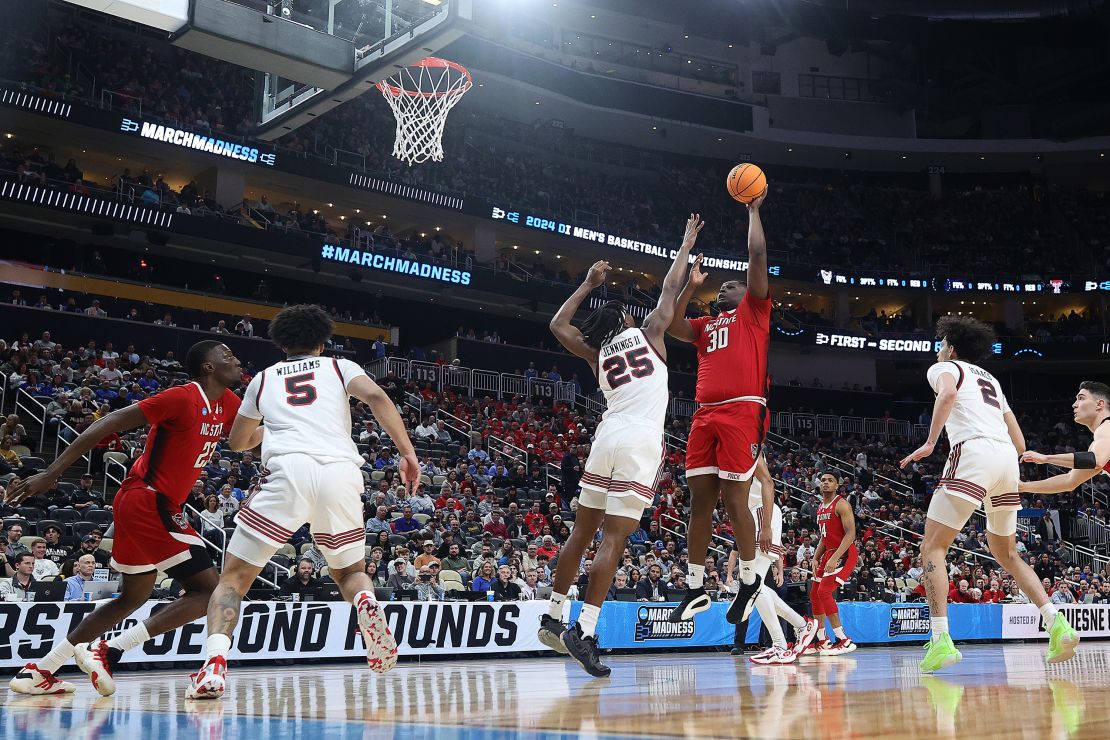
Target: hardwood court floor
{"x": 996, "y": 692}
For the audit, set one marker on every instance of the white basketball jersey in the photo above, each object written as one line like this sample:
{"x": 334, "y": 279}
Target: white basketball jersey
{"x": 633, "y": 378}
{"x": 304, "y": 407}
{"x": 980, "y": 402}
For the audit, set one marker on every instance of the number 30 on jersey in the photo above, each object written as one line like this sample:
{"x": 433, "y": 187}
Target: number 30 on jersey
{"x": 718, "y": 339}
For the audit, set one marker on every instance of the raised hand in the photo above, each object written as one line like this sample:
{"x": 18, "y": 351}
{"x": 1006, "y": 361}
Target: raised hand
{"x": 697, "y": 275}
{"x": 694, "y": 225}
{"x": 597, "y": 274}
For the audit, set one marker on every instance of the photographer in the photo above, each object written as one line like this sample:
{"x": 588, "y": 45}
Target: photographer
{"x": 426, "y": 587}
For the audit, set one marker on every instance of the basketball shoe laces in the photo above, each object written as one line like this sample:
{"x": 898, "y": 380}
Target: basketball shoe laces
{"x": 48, "y": 680}
{"x": 217, "y": 664}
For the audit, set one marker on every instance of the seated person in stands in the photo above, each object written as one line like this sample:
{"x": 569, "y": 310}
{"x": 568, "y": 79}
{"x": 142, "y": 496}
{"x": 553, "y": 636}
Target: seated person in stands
{"x": 83, "y": 571}
{"x": 652, "y": 587}
{"x": 960, "y": 593}
{"x": 303, "y": 580}
{"x": 19, "y": 585}
{"x": 504, "y": 589}
{"x": 426, "y": 587}
{"x": 399, "y": 578}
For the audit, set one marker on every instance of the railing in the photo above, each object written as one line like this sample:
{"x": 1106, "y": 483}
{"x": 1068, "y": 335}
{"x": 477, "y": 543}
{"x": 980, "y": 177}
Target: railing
{"x": 110, "y": 465}
{"x": 786, "y": 422}
{"x": 30, "y": 406}
{"x": 1096, "y": 533}
{"x": 61, "y": 443}
{"x": 108, "y": 100}
{"x": 470, "y": 381}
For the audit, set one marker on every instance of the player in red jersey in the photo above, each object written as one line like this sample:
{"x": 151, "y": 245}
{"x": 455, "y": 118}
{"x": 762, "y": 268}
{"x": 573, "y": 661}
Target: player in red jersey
{"x": 152, "y": 534}
{"x": 728, "y": 428}
{"x": 835, "y": 559}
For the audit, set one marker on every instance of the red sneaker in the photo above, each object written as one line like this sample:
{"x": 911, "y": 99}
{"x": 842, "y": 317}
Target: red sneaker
{"x": 210, "y": 682}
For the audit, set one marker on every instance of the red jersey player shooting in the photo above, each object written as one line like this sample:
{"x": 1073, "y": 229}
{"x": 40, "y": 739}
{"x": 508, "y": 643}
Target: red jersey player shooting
{"x": 728, "y": 428}
{"x": 152, "y": 534}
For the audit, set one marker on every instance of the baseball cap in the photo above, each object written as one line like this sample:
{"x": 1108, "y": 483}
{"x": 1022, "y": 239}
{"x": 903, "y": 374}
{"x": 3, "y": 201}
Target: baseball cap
{"x": 659, "y": 544}
{"x": 88, "y": 538}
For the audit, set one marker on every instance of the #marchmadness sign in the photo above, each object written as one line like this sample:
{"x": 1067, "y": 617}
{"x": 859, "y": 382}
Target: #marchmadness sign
{"x": 270, "y": 630}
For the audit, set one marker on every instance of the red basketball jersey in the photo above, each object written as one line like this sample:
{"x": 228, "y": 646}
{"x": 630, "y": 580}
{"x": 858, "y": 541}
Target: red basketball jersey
{"x": 185, "y": 428}
{"x": 828, "y": 521}
{"x": 732, "y": 351}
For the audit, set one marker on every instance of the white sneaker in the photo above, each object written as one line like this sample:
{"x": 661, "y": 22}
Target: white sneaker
{"x": 805, "y": 635}
{"x": 34, "y": 681}
{"x": 210, "y": 682}
{"x": 93, "y": 659}
{"x": 381, "y": 648}
{"x": 764, "y": 654}
{"x": 840, "y": 647}
{"x": 775, "y": 656}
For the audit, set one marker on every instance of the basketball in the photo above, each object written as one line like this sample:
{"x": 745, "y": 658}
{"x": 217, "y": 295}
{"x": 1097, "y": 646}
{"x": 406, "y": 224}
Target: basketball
{"x": 746, "y": 182}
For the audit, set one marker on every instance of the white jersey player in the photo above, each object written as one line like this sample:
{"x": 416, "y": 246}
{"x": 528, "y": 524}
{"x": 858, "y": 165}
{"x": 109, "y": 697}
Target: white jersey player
{"x": 626, "y": 459}
{"x": 299, "y": 410}
{"x": 982, "y": 470}
{"x": 769, "y": 552}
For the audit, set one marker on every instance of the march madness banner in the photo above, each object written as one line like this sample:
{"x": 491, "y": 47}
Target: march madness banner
{"x": 1023, "y": 621}
{"x": 270, "y": 630}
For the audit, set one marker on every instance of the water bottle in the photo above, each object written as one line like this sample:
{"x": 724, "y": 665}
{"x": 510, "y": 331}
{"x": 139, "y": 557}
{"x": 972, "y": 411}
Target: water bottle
{"x": 489, "y": 595}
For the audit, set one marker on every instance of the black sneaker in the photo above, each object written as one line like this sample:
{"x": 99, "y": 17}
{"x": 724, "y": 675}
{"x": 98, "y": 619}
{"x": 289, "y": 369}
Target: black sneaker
{"x": 745, "y": 599}
{"x": 584, "y": 650}
{"x": 551, "y": 633}
{"x": 737, "y": 651}
{"x": 695, "y": 600}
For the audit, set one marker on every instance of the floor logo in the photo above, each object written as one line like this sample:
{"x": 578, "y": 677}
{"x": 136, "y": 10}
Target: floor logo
{"x": 653, "y": 623}
{"x": 909, "y": 620}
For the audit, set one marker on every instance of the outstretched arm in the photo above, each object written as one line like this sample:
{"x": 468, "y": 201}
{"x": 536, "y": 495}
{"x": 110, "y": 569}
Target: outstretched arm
{"x": 942, "y": 409}
{"x": 659, "y": 320}
{"x": 568, "y": 335}
{"x": 1066, "y": 482}
{"x": 385, "y": 412}
{"x": 124, "y": 420}
{"x": 758, "y": 281}
{"x": 680, "y": 327}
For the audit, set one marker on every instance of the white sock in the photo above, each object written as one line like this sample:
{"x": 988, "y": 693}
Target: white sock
{"x": 839, "y": 632}
{"x": 587, "y": 620}
{"x": 821, "y": 637}
{"x": 796, "y": 620}
{"x": 1048, "y": 614}
{"x": 696, "y": 578}
{"x": 219, "y": 645}
{"x": 747, "y": 572}
{"x": 765, "y": 605}
{"x": 369, "y": 594}
{"x": 555, "y": 608}
{"x": 130, "y": 638}
{"x": 57, "y": 657}
{"x": 940, "y": 626}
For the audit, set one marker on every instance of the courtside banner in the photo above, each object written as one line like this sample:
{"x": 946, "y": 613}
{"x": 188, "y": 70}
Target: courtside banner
{"x": 1023, "y": 621}
{"x": 644, "y": 625}
{"x": 269, "y": 630}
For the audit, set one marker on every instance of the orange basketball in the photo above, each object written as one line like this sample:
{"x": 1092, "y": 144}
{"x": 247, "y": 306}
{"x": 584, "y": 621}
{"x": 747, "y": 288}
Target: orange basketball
{"x": 746, "y": 182}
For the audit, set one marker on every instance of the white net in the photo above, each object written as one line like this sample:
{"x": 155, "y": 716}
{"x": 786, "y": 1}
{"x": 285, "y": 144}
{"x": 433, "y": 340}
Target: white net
{"x": 421, "y": 96}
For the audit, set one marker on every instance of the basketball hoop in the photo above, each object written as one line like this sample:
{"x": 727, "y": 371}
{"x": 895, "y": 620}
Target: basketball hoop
{"x": 421, "y": 96}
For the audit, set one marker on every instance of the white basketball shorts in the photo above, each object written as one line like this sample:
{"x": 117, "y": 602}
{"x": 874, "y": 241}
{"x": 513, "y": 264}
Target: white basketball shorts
{"x": 299, "y": 489}
{"x": 763, "y": 560}
{"x": 980, "y": 472}
{"x": 623, "y": 469}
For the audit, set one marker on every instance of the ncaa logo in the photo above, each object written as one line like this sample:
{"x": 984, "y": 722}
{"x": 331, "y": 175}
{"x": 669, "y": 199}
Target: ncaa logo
{"x": 180, "y": 520}
{"x": 128, "y": 126}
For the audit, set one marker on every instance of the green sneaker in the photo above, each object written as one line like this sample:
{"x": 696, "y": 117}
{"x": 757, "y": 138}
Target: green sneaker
{"x": 1062, "y": 640}
{"x": 941, "y": 654}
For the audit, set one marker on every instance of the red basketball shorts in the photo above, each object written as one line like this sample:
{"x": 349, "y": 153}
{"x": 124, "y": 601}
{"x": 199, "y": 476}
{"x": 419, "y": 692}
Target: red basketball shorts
{"x": 152, "y": 533}
{"x": 841, "y": 574}
{"x": 725, "y": 440}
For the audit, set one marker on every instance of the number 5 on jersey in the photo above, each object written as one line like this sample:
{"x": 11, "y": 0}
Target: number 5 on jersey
{"x": 299, "y": 390}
